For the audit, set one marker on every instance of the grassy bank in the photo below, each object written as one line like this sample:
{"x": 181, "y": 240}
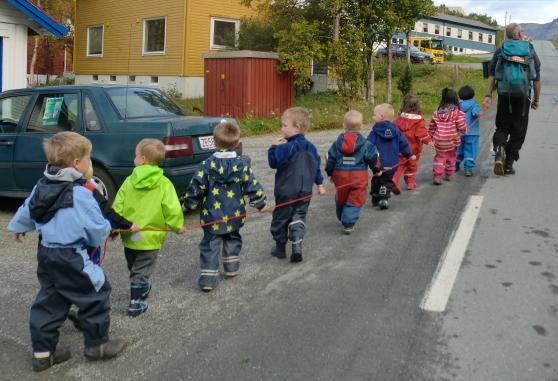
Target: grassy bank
{"x": 327, "y": 111}
{"x": 464, "y": 59}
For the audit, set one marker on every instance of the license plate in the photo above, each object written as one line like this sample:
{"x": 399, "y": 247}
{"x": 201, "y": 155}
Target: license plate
{"x": 206, "y": 142}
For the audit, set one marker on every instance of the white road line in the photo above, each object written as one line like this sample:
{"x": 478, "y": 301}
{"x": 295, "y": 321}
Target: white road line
{"x": 438, "y": 292}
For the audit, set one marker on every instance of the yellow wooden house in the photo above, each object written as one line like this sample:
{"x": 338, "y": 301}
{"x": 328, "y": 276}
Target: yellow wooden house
{"x": 154, "y": 43}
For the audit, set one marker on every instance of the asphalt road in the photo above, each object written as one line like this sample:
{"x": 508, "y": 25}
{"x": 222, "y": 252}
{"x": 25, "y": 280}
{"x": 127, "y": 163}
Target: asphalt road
{"x": 351, "y": 309}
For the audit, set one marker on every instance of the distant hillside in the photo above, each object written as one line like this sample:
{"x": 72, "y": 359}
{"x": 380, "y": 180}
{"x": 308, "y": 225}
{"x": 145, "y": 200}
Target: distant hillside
{"x": 548, "y": 31}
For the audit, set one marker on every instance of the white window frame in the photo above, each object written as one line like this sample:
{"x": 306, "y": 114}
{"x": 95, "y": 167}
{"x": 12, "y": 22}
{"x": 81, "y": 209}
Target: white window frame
{"x": 448, "y": 31}
{"x": 211, "y": 35}
{"x": 425, "y": 26}
{"x": 144, "y": 39}
{"x": 437, "y": 29}
{"x": 490, "y": 39}
{"x": 102, "y": 41}
{"x": 459, "y": 33}
{"x": 481, "y": 37}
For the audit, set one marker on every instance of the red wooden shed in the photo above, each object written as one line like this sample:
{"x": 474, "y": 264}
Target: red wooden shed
{"x": 245, "y": 82}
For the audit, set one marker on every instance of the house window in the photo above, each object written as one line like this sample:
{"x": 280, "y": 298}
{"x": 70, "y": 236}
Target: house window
{"x": 223, "y": 33}
{"x": 154, "y": 32}
{"x": 490, "y": 39}
{"x": 95, "y": 36}
{"x": 154, "y": 80}
{"x": 436, "y": 29}
{"x": 470, "y": 35}
{"x": 459, "y": 33}
{"x": 448, "y": 31}
{"x": 132, "y": 78}
{"x": 460, "y": 50}
{"x": 425, "y": 27}
{"x": 113, "y": 78}
{"x": 480, "y": 37}
{"x": 95, "y": 77}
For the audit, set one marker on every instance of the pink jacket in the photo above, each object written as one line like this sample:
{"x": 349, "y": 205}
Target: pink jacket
{"x": 446, "y": 127}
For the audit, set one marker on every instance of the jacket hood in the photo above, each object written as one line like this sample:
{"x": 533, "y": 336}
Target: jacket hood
{"x": 385, "y": 130}
{"x": 146, "y": 176}
{"x": 53, "y": 192}
{"x": 466, "y": 105}
{"x": 225, "y": 166}
{"x": 445, "y": 114}
{"x": 349, "y": 142}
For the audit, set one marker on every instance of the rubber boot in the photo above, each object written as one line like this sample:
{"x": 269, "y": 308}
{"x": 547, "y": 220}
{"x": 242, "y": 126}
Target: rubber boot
{"x": 108, "y": 350}
{"x": 59, "y": 356}
{"x": 499, "y": 159}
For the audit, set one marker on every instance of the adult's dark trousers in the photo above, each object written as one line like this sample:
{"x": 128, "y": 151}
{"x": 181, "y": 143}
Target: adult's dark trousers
{"x": 511, "y": 126}
{"x": 289, "y": 222}
{"x": 64, "y": 281}
{"x": 381, "y": 186}
{"x": 211, "y": 248}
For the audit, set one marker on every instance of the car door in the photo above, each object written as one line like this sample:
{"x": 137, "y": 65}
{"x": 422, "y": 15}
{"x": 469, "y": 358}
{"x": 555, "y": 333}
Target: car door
{"x": 53, "y": 111}
{"x": 12, "y": 109}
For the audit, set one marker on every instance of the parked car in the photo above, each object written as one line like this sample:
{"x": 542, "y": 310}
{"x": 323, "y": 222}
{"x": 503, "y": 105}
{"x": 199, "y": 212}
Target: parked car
{"x": 399, "y": 51}
{"x": 114, "y": 118}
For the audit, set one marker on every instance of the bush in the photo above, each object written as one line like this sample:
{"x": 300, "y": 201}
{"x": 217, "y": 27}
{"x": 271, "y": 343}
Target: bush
{"x": 405, "y": 82}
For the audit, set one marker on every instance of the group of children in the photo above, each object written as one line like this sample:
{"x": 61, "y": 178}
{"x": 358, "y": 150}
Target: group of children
{"x": 73, "y": 220}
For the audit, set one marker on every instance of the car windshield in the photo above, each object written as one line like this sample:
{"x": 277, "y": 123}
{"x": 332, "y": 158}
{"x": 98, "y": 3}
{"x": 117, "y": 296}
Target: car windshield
{"x": 436, "y": 44}
{"x": 136, "y": 102}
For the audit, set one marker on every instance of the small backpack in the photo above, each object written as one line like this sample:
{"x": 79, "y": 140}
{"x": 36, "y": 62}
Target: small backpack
{"x": 515, "y": 69}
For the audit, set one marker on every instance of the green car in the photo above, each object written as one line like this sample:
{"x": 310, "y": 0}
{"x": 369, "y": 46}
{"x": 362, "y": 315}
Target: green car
{"x": 113, "y": 118}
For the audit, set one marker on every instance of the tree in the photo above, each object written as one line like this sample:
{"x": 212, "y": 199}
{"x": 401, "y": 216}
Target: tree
{"x": 410, "y": 11}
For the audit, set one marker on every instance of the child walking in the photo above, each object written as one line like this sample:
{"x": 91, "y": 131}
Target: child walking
{"x": 149, "y": 199}
{"x": 298, "y": 168}
{"x": 68, "y": 220}
{"x": 390, "y": 143}
{"x": 219, "y": 187}
{"x": 411, "y": 123}
{"x": 446, "y": 126}
{"x": 469, "y": 148}
{"x": 348, "y": 160}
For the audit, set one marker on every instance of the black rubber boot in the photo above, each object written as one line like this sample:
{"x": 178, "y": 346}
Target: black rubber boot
{"x": 59, "y": 356}
{"x": 499, "y": 159}
{"x": 279, "y": 250}
{"x": 108, "y": 350}
{"x": 74, "y": 318}
{"x": 296, "y": 255}
{"x": 508, "y": 168}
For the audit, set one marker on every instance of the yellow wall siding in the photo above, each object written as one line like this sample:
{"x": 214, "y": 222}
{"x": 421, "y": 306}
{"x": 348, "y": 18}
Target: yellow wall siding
{"x": 123, "y": 37}
{"x": 199, "y": 14}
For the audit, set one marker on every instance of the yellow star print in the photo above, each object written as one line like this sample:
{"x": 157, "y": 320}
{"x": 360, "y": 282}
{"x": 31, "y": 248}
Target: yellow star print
{"x": 259, "y": 193}
{"x": 200, "y": 174}
{"x": 236, "y": 180}
{"x": 215, "y": 226}
{"x": 246, "y": 178}
{"x": 237, "y": 213}
{"x": 226, "y": 218}
{"x": 205, "y": 212}
{"x": 217, "y": 205}
{"x": 243, "y": 220}
{"x": 241, "y": 201}
{"x": 255, "y": 182}
{"x": 202, "y": 187}
{"x": 235, "y": 168}
{"x": 215, "y": 191}
{"x": 245, "y": 169}
{"x": 213, "y": 165}
{"x": 229, "y": 228}
{"x": 221, "y": 170}
{"x": 230, "y": 194}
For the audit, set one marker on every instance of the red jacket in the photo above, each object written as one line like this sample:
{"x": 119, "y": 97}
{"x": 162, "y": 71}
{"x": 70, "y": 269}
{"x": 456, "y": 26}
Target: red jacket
{"x": 413, "y": 127}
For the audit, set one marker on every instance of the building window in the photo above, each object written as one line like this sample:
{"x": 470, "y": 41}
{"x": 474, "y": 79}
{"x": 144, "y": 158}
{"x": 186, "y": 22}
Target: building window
{"x": 460, "y": 50}
{"x": 448, "y": 31}
{"x": 95, "y": 40}
{"x": 490, "y": 39}
{"x": 154, "y": 80}
{"x": 480, "y": 37}
{"x": 459, "y": 33}
{"x": 113, "y": 78}
{"x": 425, "y": 27}
{"x": 224, "y": 33}
{"x": 94, "y": 77}
{"x": 470, "y": 35}
{"x": 436, "y": 29}
{"x": 154, "y": 32}
{"x": 132, "y": 78}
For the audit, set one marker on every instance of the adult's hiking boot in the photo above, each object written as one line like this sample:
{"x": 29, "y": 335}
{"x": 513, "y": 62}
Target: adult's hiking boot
{"x": 43, "y": 363}
{"x": 105, "y": 351}
{"x": 508, "y": 168}
{"x": 499, "y": 158}
{"x": 279, "y": 250}
{"x": 384, "y": 204}
{"x": 296, "y": 255}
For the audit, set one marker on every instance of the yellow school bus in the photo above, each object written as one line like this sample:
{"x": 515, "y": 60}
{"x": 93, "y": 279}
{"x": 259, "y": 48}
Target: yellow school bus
{"x": 430, "y": 45}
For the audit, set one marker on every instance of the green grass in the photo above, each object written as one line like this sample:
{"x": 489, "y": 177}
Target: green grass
{"x": 463, "y": 59}
{"x": 555, "y": 42}
{"x": 327, "y": 110}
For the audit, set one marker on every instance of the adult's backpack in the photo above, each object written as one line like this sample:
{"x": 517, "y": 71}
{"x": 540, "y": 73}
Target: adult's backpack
{"x": 515, "y": 69}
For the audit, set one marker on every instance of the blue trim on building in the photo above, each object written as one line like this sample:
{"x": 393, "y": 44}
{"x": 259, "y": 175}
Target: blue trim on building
{"x": 40, "y": 17}
{"x": 459, "y": 42}
{"x": 458, "y": 26}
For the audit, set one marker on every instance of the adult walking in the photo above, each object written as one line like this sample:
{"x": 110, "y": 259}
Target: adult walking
{"x": 515, "y": 69}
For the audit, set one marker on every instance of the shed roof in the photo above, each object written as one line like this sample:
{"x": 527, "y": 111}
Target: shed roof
{"x": 462, "y": 20}
{"x": 39, "y": 17}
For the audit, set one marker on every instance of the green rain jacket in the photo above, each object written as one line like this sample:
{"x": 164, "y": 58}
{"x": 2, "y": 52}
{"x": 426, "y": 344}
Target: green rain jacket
{"x": 148, "y": 199}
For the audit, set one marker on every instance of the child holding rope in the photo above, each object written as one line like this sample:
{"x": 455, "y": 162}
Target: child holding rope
{"x": 446, "y": 126}
{"x": 390, "y": 143}
{"x": 469, "y": 148}
{"x": 298, "y": 167}
{"x": 348, "y": 160}
{"x": 149, "y": 199}
{"x": 219, "y": 186}
{"x": 411, "y": 123}
{"x": 68, "y": 220}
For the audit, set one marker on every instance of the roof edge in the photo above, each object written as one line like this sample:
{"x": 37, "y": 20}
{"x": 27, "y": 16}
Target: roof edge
{"x": 40, "y": 17}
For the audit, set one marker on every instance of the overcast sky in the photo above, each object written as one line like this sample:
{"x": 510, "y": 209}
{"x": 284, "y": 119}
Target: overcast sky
{"x": 524, "y": 11}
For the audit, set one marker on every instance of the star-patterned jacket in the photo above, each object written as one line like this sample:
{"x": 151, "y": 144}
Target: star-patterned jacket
{"x": 219, "y": 187}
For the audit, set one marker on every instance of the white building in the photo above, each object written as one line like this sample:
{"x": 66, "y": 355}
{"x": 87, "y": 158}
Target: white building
{"x": 18, "y": 20}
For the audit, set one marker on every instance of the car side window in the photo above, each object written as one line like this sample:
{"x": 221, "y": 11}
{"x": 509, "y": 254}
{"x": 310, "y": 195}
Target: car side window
{"x": 92, "y": 122}
{"x": 11, "y": 111}
{"x": 54, "y": 113}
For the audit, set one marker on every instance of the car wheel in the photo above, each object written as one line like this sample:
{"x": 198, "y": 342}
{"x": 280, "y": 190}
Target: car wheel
{"x": 104, "y": 183}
